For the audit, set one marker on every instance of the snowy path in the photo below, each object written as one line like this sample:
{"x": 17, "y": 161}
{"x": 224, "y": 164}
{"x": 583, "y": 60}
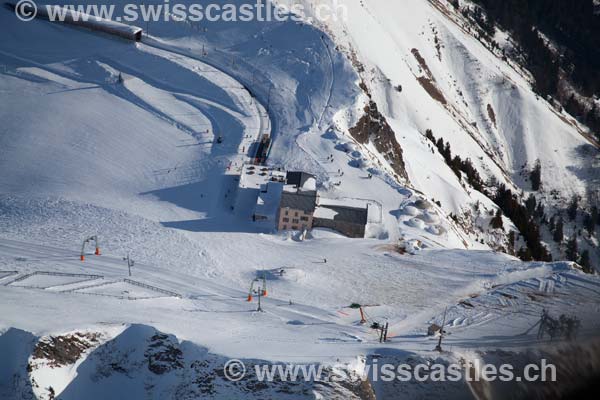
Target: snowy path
{"x": 262, "y": 118}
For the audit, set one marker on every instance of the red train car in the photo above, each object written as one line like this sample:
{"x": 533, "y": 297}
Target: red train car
{"x": 263, "y": 150}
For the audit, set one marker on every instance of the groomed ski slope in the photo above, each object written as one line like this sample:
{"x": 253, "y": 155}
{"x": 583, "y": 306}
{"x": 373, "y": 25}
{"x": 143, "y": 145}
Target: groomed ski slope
{"x": 318, "y": 321}
{"x": 505, "y": 299}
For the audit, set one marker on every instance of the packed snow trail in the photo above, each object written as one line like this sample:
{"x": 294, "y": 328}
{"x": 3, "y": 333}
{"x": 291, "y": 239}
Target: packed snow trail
{"x": 261, "y": 112}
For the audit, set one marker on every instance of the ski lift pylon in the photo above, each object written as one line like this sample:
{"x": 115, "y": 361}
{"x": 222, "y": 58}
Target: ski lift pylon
{"x": 87, "y": 240}
{"x": 263, "y": 289}
{"x": 360, "y": 308}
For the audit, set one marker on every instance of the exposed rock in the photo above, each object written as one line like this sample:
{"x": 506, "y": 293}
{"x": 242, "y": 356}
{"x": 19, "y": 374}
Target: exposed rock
{"x": 427, "y": 81}
{"x": 422, "y": 63}
{"x": 163, "y": 367}
{"x": 374, "y": 128}
{"x": 432, "y": 89}
{"x": 433, "y": 329}
{"x": 492, "y": 115}
{"x": 163, "y": 354}
{"x": 64, "y": 350}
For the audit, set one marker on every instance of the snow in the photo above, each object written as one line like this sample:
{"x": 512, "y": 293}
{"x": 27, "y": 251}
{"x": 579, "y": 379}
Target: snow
{"x": 317, "y": 290}
{"x": 470, "y": 77}
{"x": 120, "y": 289}
{"x": 16, "y": 346}
{"x": 326, "y": 213}
{"x": 309, "y": 185}
{"x": 138, "y": 163}
{"x": 269, "y": 199}
{"x": 43, "y": 281}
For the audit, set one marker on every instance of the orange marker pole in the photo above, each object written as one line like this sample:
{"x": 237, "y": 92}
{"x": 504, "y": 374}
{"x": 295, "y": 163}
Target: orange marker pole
{"x": 363, "y": 320}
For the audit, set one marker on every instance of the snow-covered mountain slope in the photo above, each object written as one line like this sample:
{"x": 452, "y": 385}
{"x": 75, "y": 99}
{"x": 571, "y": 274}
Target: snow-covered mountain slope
{"x": 137, "y": 361}
{"x": 490, "y": 114}
{"x": 79, "y": 133}
{"x": 425, "y": 70}
{"x": 166, "y": 115}
{"x": 140, "y": 143}
{"x": 486, "y": 109}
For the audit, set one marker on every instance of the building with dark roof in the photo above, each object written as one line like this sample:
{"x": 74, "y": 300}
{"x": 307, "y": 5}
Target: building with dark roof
{"x": 349, "y": 221}
{"x": 296, "y": 210}
{"x": 299, "y": 209}
{"x": 299, "y": 179}
{"x": 305, "y": 201}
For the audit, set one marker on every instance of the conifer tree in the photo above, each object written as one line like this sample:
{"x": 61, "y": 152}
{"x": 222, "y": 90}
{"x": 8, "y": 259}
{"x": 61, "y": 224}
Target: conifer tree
{"x": 572, "y": 252}
{"x": 496, "y": 222}
{"x": 558, "y": 231}
{"x": 585, "y": 262}
{"x": 536, "y": 176}
{"x": 572, "y": 210}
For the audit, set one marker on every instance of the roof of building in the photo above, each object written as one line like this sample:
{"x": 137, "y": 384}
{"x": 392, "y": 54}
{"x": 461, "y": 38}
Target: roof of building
{"x": 268, "y": 200}
{"x": 352, "y": 215}
{"x": 305, "y": 201}
{"x": 299, "y": 179}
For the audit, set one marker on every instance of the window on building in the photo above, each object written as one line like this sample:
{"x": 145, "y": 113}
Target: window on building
{"x": 295, "y": 221}
{"x": 286, "y": 220}
{"x": 287, "y": 212}
{"x": 285, "y": 228}
{"x": 294, "y": 228}
{"x": 304, "y": 218}
{"x": 296, "y": 214}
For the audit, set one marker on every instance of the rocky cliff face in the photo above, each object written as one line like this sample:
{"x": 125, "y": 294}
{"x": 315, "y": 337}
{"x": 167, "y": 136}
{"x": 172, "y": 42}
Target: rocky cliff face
{"x": 374, "y": 128}
{"x": 141, "y": 362}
